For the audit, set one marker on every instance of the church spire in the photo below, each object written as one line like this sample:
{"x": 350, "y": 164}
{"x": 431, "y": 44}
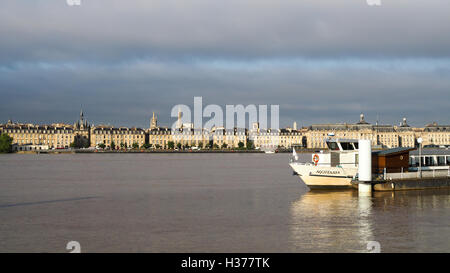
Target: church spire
{"x": 154, "y": 122}
{"x": 81, "y": 113}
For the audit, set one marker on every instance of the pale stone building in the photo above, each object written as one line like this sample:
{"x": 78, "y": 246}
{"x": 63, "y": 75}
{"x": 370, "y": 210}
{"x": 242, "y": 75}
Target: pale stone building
{"x": 228, "y": 138}
{"x": 159, "y": 137}
{"x": 53, "y": 136}
{"x": 277, "y": 138}
{"x": 291, "y": 137}
{"x": 381, "y": 136}
{"x": 122, "y": 137}
{"x": 57, "y": 136}
{"x": 435, "y": 134}
{"x": 187, "y": 136}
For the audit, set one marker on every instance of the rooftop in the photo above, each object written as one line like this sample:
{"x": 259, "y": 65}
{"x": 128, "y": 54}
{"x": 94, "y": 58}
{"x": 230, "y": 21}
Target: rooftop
{"x": 425, "y": 151}
{"x": 393, "y": 151}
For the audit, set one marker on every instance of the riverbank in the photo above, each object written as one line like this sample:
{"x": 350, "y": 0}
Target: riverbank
{"x": 157, "y": 151}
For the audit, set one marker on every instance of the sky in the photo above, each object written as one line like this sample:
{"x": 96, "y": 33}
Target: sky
{"x": 321, "y": 61}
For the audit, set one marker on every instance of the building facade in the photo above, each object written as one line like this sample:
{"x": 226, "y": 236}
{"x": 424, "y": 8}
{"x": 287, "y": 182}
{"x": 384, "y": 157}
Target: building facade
{"x": 83, "y": 134}
{"x": 116, "y": 138}
{"x": 381, "y": 136}
{"x": 53, "y": 136}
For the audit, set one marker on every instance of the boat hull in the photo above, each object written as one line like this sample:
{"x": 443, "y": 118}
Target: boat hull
{"x": 324, "y": 177}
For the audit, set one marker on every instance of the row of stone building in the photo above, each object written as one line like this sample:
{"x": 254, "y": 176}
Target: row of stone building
{"x": 86, "y": 135}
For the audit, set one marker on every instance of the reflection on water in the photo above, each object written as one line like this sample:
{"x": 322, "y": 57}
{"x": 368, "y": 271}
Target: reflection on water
{"x": 340, "y": 221}
{"x": 365, "y": 227}
{"x": 324, "y": 221}
{"x": 202, "y": 203}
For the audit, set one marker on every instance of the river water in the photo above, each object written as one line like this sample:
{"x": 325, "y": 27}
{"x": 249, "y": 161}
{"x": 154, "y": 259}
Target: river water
{"x": 202, "y": 203}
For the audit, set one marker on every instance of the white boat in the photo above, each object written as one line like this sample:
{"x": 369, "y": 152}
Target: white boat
{"x": 332, "y": 169}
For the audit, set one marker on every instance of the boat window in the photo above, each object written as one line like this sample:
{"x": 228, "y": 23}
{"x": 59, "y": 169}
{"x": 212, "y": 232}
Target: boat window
{"x": 333, "y": 146}
{"x": 346, "y": 146}
{"x": 415, "y": 161}
{"x": 441, "y": 160}
{"x": 356, "y": 145}
{"x": 448, "y": 160}
{"x": 428, "y": 161}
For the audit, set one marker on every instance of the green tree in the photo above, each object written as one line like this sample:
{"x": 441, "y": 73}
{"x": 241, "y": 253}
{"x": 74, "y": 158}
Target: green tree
{"x": 102, "y": 146}
{"x": 113, "y": 145}
{"x": 179, "y": 145}
{"x": 5, "y": 143}
{"x": 250, "y": 145}
{"x": 147, "y": 146}
{"x": 215, "y": 146}
{"x": 80, "y": 142}
{"x": 135, "y": 145}
{"x": 224, "y": 146}
{"x": 171, "y": 144}
{"x": 241, "y": 144}
{"x": 211, "y": 143}
{"x": 200, "y": 144}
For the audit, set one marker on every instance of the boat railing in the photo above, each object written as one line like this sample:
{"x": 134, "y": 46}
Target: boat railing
{"x": 432, "y": 173}
{"x": 413, "y": 175}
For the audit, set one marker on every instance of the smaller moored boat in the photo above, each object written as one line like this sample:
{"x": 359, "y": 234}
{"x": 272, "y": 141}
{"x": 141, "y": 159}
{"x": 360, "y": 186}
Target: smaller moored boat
{"x": 331, "y": 169}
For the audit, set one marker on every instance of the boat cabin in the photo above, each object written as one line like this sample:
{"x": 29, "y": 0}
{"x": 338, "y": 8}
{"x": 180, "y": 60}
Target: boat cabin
{"x": 343, "y": 152}
{"x": 342, "y": 144}
{"x": 391, "y": 161}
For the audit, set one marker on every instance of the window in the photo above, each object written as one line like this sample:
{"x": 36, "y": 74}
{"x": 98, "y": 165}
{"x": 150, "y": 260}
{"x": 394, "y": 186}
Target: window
{"x": 428, "y": 161}
{"x": 347, "y": 146}
{"x": 333, "y": 146}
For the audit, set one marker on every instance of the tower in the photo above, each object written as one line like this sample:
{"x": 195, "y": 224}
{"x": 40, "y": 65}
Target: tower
{"x": 82, "y": 121}
{"x": 404, "y": 123}
{"x": 82, "y": 132}
{"x": 362, "y": 120}
{"x": 294, "y": 126}
{"x": 154, "y": 122}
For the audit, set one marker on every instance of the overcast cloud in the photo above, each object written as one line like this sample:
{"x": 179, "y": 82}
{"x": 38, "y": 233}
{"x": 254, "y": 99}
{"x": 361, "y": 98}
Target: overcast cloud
{"x": 321, "y": 61}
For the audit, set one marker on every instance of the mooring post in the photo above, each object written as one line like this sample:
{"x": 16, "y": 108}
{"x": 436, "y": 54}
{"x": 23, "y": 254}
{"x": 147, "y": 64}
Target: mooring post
{"x": 365, "y": 167}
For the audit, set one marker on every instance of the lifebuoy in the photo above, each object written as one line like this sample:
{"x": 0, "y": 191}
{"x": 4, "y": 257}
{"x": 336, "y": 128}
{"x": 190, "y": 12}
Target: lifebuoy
{"x": 316, "y": 159}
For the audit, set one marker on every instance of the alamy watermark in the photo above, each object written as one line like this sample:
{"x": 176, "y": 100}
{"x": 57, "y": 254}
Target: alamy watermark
{"x": 374, "y": 247}
{"x": 73, "y": 2}
{"x": 235, "y": 120}
{"x": 369, "y": 2}
{"x": 74, "y": 246}
{"x": 373, "y": 2}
